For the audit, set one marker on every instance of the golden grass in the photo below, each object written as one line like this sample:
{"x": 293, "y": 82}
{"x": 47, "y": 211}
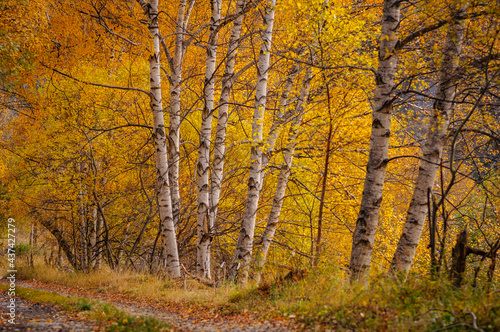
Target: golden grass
{"x": 323, "y": 299}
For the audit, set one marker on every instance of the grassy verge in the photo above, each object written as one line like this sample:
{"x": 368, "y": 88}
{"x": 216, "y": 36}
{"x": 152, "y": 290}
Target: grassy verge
{"x": 109, "y": 315}
{"x": 322, "y": 300}
{"x": 130, "y": 284}
{"x": 326, "y": 301}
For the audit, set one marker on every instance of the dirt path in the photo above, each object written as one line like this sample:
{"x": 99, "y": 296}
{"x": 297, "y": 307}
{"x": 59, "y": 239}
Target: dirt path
{"x": 182, "y": 319}
{"x": 39, "y": 317}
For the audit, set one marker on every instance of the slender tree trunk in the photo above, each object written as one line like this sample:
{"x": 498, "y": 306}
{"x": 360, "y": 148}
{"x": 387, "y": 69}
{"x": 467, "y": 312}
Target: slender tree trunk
{"x": 93, "y": 237}
{"x": 63, "y": 244}
{"x": 32, "y": 243}
{"x": 281, "y": 116}
{"x": 459, "y": 258}
{"x": 175, "y": 111}
{"x": 169, "y": 241}
{"x": 83, "y": 220}
{"x": 433, "y": 148}
{"x": 220, "y": 136}
{"x": 272, "y": 221}
{"x": 243, "y": 251}
{"x": 204, "y": 223}
{"x": 99, "y": 228}
{"x": 99, "y": 241}
{"x": 366, "y": 224}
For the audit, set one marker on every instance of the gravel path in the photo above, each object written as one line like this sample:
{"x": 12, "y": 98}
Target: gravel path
{"x": 188, "y": 322}
{"x": 40, "y": 317}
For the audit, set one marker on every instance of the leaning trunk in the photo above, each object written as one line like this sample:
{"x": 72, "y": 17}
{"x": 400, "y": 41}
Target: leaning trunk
{"x": 168, "y": 236}
{"x": 433, "y": 148}
{"x": 272, "y": 221}
{"x": 281, "y": 116}
{"x": 366, "y": 224}
{"x": 243, "y": 251}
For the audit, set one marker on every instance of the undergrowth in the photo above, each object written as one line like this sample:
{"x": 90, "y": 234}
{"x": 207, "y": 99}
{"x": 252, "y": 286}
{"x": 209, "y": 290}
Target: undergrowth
{"x": 322, "y": 300}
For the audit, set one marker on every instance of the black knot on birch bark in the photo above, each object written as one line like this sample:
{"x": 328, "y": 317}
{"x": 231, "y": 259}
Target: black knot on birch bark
{"x": 361, "y": 220}
{"x": 377, "y": 124}
{"x": 389, "y": 18}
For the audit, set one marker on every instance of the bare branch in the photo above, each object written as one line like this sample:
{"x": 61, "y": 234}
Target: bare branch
{"x": 98, "y": 84}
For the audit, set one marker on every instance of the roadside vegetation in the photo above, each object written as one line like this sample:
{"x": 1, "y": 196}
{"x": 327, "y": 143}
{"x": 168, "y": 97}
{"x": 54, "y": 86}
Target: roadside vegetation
{"x": 108, "y": 315}
{"x": 319, "y": 300}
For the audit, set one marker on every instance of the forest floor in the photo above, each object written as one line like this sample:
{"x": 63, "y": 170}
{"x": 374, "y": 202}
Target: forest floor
{"x": 180, "y": 317}
{"x": 323, "y": 300}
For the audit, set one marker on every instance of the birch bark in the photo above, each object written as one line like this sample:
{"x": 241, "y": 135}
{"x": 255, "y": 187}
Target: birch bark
{"x": 272, "y": 221}
{"x": 223, "y": 114}
{"x": 175, "y": 109}
{"x": 366, "y": 224}
{"x": 281, "y": 116}
{"x": 433, "y": 147}
{"x": 243, "y": 251}
{"x": 169, "y": 242}
{"x": 204, "y": 223}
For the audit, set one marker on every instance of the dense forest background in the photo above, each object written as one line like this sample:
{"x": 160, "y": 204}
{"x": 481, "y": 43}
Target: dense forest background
{"x": 234, "y": 137}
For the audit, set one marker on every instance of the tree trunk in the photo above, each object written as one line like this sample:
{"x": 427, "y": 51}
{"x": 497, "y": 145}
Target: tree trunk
{"x": 83, "y": 219}
{"x": 63, "y": 244}
{"x": 433, "y": 148}
{"x": 324, "y": 179}
{"x": 243, "y": 251}
{"x": 99, "y": 242}
{"x": 458, "y": 258}
{"x": 220, "y": 135}
{"x": 366, "y": 224}
{"x": 175, "y": 111}
{"x": 272, "y": 221}
{"x": 204, "y": 222}
{"x": 169, "y": 242}
{"x": 93, "y": 237}
{"x": 281, "y": 116}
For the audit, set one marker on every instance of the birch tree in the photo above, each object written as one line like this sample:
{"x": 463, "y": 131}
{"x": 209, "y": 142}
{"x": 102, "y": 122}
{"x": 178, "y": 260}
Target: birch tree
{"x": 169, "y": 242}
{"x": 243, "y": 251}
{"x": 175, "y": 79}
{"x": 219, "y": 150}
{"x": 205, "y": 224}
{"x": 286, "y": 167}
{"x": 433, "y": 146}
{"x": 366, "y": 224}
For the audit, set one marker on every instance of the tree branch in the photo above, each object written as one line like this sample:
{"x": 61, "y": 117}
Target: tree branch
{"x": 98, "y": 84}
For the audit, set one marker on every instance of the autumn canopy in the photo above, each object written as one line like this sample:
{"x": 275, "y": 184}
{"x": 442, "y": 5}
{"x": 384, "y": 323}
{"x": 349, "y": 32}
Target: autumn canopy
{"x": 230, "y": 138}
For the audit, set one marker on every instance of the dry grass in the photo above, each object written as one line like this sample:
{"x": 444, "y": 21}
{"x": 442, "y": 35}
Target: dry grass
{"x": 130, "y": 283}
{"x": 324, "y": 299}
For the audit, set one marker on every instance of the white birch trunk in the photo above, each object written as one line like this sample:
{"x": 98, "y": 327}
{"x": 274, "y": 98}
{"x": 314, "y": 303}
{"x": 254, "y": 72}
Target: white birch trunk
{"x": 281, "y": 116}
{"x": 168, "y": 236}
{"x": 204, "y": 223}
{"x": 243, "y": 251}
{"x": 432, "y": 149}
{"x": 223, "y": 114}
{"x": 366, "y": 224}
{"x": 175, "y": 111}
{"x": 272, "y": 221}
